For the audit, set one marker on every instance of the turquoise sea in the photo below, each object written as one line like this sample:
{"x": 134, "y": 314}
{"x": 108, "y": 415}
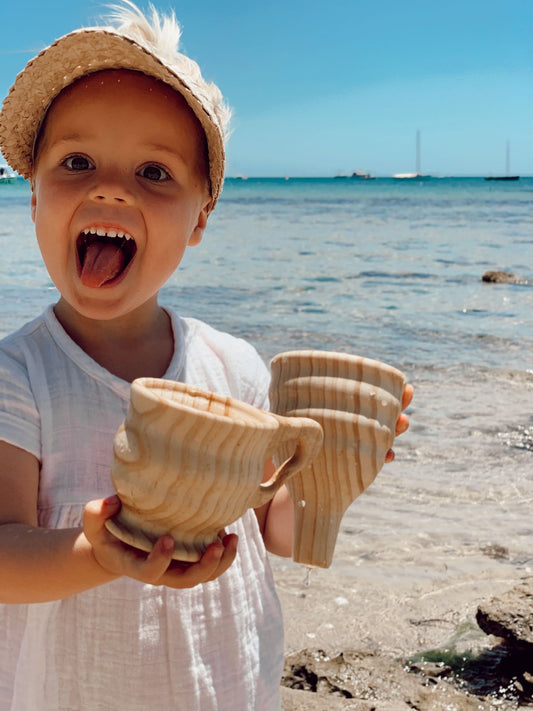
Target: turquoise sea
{"x": 386, "y": 267}
{"x": 391, "y": 270}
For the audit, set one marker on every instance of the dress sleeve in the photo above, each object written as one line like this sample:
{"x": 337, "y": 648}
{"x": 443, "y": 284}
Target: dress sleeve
{"x": 257, "y": 380}
{"x": 20, "y": 422}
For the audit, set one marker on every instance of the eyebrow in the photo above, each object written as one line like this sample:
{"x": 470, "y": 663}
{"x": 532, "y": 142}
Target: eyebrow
{"x": 70, "y": 137}
{"x": 63, "y": 139}
{"x": 42, "y": 138}
{"x": 163, "y": 148}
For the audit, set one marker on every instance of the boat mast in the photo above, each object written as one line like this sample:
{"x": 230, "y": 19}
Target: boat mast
{"x": 418, "y": 152}
{"x": 507, "y": 159}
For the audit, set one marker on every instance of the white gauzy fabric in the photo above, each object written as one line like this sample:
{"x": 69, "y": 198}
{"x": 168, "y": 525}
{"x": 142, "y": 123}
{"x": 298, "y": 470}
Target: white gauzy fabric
{"x": 126, "y": 646}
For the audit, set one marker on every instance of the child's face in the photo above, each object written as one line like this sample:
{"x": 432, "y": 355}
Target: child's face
{"x": 120, "y": 153}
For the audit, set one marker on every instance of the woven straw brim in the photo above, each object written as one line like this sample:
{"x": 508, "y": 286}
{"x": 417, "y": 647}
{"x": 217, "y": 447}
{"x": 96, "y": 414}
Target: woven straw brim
{"x": 76, "y": 55}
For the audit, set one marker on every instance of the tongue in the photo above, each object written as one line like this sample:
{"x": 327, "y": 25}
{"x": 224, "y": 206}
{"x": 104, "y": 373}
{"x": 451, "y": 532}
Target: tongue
{"x": 102, "y": 263}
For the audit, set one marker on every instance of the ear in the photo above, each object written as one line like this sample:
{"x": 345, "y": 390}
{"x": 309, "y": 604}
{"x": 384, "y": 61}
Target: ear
{"x": 33, "y": 202}
{"x": 198, "y": 231}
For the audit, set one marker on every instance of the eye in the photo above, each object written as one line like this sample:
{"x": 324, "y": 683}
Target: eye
{"x": 78, "y": 163}
{"x": 154, "y": 172}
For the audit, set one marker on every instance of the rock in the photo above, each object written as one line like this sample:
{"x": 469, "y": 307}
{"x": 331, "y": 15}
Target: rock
{"x": 510, "y": 616}
{"x": 365, "y": 680}
{"x": 494, "y": 550}
{"x": 292, "y": 700}
{"x": 500, "y": 277}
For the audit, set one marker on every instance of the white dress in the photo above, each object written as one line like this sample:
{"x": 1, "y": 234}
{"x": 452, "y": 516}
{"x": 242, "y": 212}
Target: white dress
{"x": 127, "y": 646}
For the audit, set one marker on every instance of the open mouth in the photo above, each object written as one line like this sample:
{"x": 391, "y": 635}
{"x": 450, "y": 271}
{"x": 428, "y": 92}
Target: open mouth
{"x": 104, "y": 255}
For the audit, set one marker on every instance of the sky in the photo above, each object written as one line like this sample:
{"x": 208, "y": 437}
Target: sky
{"x": 326, "y": 88}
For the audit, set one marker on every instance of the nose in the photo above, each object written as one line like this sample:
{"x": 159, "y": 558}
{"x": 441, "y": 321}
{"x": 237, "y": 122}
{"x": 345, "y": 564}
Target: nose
{"x": 111, "y": 190}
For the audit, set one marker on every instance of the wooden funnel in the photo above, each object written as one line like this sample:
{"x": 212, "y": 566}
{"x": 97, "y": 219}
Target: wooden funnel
{"x": 357, "y": 402}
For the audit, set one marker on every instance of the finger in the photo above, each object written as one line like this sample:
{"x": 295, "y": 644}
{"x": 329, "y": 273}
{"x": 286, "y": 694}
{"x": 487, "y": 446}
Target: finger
{"x": 96, "y": 513}
{"x": 196, "y": 573}
{"x": 151, "y": 568}
{"x": 402, "y": 424}
{"x": 219, "y": 556}
{"x": 407, "y": 396}
{"x": 230, "y": 551}
{"x": 216, "y": 560}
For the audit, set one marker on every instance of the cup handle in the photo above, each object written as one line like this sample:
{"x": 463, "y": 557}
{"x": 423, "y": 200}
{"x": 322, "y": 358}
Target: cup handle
{"x": 309, "y": 436}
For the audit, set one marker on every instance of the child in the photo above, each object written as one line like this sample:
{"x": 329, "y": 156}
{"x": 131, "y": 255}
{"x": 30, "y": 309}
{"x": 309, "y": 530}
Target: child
{"x": 123, "y": 142}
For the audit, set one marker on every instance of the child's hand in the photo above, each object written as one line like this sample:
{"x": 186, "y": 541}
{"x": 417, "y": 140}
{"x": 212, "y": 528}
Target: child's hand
{"x": 402, "y": 425}
{"x": 156, "y": 567}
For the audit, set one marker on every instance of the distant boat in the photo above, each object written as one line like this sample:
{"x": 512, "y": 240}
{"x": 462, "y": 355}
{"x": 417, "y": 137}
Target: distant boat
{"x": 356, "y": 175}
{"x": 418, "y": 175}
{"x": 6, "y": 175}
{"x": 502, "y": 177}
{"x": 410, "y": 176}
{"x": 507, "y": 175}
{"x": 361, "y": 175}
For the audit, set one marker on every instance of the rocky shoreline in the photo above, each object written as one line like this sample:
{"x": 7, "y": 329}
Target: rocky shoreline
{"x": 363, "y": 681}
{"x": 486, "y": 664}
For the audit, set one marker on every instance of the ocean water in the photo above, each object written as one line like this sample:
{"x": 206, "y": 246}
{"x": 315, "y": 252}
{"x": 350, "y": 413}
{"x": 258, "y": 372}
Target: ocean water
{"x": 389, "y": 270}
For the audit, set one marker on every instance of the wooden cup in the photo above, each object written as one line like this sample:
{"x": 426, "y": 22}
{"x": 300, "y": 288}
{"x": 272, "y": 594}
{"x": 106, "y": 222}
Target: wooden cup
{"x": 189, "y": 462}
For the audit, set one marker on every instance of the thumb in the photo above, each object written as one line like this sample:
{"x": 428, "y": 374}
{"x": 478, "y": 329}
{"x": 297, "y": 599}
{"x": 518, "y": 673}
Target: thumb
{"x": 96, "y": 513}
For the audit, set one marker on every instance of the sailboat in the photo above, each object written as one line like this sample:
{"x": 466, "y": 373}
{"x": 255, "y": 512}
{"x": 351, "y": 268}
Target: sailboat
{"x": 507, "y": 175}
{"x": 417, "y": 175}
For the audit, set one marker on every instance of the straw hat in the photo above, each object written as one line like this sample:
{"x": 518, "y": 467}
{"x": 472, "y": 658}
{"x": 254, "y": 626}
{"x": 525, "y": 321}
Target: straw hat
{"x": 134, "y": 44}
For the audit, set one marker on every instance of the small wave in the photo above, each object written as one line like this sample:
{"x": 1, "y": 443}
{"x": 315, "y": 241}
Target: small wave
{"x": 393, "y": 275}
{"x": 518, "y": 438}
{"x": 323, "y": 279}
{"x": 310, "y": 310}
{"x": 472, "y": 311}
